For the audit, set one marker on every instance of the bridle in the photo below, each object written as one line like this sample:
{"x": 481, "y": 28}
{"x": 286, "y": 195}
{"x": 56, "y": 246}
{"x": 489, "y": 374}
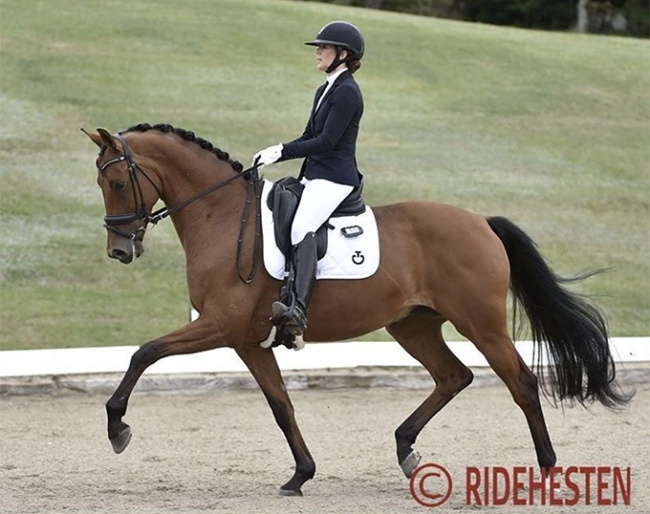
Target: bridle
{"x": 113, "y": 221}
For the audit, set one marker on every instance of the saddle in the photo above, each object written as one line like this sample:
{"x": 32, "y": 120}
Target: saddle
{"x": 283, "y": 200}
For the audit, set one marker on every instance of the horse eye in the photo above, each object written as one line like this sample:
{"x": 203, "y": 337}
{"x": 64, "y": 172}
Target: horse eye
{"x": 118, "y": 185}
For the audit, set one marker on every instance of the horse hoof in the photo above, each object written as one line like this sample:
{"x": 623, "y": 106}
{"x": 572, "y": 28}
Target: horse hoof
{"x": 289, "y": 492}
{"x": 121, "y": 440}
{"x": 411, "y": 462}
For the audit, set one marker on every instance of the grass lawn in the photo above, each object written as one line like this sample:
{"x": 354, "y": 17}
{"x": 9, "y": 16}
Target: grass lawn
{"x": 549, "y": 129}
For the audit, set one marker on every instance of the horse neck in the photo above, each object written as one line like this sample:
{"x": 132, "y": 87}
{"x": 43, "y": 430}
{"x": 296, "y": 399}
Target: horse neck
{"x": 187, "y": 171}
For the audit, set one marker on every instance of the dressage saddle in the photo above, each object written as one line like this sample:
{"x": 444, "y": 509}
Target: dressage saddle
{"x": 283, "y": 200}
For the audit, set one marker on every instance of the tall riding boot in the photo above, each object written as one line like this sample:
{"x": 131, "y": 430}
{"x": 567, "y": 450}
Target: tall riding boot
{"x": 304, "y": 259}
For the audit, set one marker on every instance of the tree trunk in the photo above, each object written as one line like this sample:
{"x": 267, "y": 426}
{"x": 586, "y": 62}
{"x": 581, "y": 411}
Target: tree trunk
{"x": 582, "y": 24}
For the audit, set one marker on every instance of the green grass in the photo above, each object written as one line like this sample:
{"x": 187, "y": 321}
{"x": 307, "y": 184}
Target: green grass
{"x": 549, "y": 129}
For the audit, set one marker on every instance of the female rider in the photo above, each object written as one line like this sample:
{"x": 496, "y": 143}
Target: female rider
{"x": 329, "y": 171}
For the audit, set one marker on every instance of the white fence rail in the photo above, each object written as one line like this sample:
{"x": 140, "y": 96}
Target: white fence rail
{"x": 314, "y": 356}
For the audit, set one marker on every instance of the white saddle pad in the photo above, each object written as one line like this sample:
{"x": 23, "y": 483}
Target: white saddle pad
{"x": 346, "y": 257}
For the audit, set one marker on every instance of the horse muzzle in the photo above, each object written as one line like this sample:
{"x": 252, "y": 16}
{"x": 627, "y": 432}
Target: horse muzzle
{"x": 124, "y": 245}
{"x": 125, "y": 250}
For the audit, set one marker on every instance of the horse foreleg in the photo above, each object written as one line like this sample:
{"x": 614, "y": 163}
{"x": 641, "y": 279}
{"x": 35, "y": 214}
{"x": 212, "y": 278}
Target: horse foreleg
{"x": 119, "y": 433}
{"x": 264, "y": 367}
{"x": 194, "y": 337}
{"x": 421, "y": 336}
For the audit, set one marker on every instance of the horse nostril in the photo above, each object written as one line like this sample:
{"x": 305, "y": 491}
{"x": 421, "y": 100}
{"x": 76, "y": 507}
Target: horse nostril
{"x": 120, "y": 255}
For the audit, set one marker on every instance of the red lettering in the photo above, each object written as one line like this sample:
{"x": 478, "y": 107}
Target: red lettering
{"x": 625, "y": 488}
{"x": 602, "y": 485}
{"x": 472, "y": 483}
{"x": 553, "y": 485}
{"x": 571, "y": 485}
{"x": 518, "y": 485}
{"x": 533, "y": 485}
{"x": 587, "y": 471}
{"x": 497, "y": 485}
{"x": 502, "y": 472}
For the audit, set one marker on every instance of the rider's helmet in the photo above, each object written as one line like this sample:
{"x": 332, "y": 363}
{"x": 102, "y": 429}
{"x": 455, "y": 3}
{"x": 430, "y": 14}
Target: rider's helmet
{"x": 342, "y": 35}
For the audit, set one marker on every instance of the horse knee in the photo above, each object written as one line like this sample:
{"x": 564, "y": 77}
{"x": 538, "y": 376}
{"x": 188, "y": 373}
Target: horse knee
{"x": 146, "y": 355}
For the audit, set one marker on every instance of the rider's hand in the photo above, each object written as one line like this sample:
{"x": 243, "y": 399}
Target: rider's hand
{"x": 268, "y": 155}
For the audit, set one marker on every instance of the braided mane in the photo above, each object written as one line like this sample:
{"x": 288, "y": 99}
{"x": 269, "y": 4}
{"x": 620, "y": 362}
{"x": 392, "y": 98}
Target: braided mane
{"x": 188, "y": 135}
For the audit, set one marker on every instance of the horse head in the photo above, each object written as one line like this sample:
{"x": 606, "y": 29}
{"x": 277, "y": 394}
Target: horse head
{"x": 129, "y": 192}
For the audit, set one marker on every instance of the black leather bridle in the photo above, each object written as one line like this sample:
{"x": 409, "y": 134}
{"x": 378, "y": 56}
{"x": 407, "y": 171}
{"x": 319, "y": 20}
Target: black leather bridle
{"x": 113, "y": 221}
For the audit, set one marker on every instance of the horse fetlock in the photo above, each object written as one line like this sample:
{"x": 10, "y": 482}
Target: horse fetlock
{"x": 405, "y": 437}
{"x": 115, "y": 408}
{"x": 303, "y": 473}
{"x": 292, "y": 487}
{"x": 306, "y": 471}
{"x": 546, "y": 459}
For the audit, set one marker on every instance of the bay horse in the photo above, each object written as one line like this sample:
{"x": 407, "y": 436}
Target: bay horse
{"x": 438, "y": 263}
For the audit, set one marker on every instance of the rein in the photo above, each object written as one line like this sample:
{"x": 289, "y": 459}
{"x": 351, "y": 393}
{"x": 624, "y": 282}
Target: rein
{"x": 161, "y": 214}
{"x": 111, "y": 221}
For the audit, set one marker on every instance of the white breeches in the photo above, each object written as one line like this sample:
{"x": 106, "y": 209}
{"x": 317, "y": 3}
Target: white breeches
{"x": 319, "y": 200}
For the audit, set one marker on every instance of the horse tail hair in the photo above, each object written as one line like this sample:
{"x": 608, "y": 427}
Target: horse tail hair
{"x": 571, "y": 330}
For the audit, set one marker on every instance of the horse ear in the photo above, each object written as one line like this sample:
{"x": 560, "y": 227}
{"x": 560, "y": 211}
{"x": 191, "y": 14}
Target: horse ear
{"x": 95, "y": 138}
{"x": 107, "y": 139}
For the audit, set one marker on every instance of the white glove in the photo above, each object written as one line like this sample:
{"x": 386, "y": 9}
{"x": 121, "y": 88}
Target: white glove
{"x": 268, "y": 155}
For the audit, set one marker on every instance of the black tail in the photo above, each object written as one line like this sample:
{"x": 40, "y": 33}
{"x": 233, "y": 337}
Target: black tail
{"x": 573, "y": 331}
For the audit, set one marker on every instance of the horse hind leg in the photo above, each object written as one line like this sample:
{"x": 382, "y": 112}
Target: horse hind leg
{"x": 420, "y": 334}
{"x": 522, "y": 383}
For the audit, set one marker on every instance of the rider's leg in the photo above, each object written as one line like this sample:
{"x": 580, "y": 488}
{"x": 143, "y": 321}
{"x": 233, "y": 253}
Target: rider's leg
{"x": 319, "y": 200}
{"x": 303, "y": 261}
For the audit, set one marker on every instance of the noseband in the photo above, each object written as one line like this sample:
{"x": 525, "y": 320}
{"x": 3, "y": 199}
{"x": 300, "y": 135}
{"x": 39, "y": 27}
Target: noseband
{"x": 112, "y": 221}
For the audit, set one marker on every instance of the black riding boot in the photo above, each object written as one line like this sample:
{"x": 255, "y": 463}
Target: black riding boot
{"x": 303, "y": 262}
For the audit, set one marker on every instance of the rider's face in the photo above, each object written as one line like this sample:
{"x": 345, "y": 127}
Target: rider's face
{"x": 325, "y": 55}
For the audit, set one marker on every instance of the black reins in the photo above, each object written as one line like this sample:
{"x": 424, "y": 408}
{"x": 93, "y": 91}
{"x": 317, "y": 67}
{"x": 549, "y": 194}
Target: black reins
{"x": 111, "y": 221}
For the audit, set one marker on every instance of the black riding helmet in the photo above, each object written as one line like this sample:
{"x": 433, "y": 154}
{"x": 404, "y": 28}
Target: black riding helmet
{"x": 342, "y": 35}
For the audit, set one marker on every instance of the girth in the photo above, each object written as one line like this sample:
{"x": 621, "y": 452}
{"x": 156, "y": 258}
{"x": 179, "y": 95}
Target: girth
{"x": 283, "y": 200}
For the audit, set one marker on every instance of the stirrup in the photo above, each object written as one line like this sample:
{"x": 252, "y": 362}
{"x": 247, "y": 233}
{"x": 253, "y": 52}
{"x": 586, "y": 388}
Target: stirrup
{"x": 284, "y": 338}
{"x": 293, "y": 318}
